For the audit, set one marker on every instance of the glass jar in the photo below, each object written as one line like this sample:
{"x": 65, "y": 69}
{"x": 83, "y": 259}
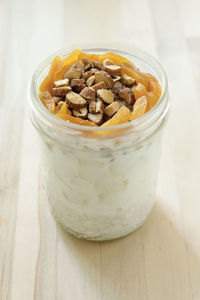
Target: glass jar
{"x": 100, "y": 184}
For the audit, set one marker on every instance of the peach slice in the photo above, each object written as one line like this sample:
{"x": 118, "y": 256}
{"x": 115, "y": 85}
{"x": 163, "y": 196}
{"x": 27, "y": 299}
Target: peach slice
{"x": 122, "y": 116}
{"x": 139, "y": 108}
{"x": 75, "y": 120}
{"x": 140, "y": 91}
{"x": 56, "y": 66}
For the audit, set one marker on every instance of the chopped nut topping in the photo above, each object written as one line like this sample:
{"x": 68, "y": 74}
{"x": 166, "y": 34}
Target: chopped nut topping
{"x": 97, "y": 65}
{"x": 113, "y": 70}
{"x": 79, "y": 65}
{"x": 90, "y": 80}
{"x": 105, "y": 77}
{"x": 96, "y": 118}
{"x": 99, "y": 85}
{"x": 117, "y": 87}
{"x": 61, "y": 82}
{"x": 88, "y": 93}
{"x": 108, "y": 62}
{"x": 75, "y": 101}
{"x": 116, "y": 78}
{"x": 82, "y": 112}
{"x": 127, "y": 80}
{"x": 87, "y": 74}
{"x": 61, "y": 91}
{"x": 106, "y": 95}
{"x": 60, "y": 103}
{"x": 97, "y": 93}
{"x": 127, "y": 95}
{"x": 87, "y": 63}
{"x": 96, "y": 107}
{"x": 73, "y": 73}
{"x": 78, "y": 84}
{"x": 112, "y": 108}
{"x": 57, "y": 99}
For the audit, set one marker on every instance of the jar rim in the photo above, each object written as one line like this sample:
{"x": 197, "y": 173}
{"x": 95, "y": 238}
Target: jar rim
{"x": 131, "y": 51}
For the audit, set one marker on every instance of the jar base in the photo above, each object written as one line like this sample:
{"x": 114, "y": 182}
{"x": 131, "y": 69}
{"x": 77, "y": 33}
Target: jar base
{"x": 96, "y": 238}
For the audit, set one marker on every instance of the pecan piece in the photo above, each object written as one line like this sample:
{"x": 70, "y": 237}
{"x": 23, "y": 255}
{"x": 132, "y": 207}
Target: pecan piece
{"x": 127, "y": 95}
{"x": 106, "y": 95}
{"x": 127, "y": 80}
{"x": 105, "y": 77}
{"x": 61, "y": 82}
{"x": 96, "y": 118}
{"x": 78, "y": 84}
{"x": 90, "y": 80}
{"x": 112, "y": 108}
{"x": 73, "y": 73}
{"x": 75, "y": 101}
{"x": 79, "y": 65}
{"x": 113, "y": 70}
{"x": 82, "y": 112}
{"x": 88, "y": 93}
{"x": 61, "y": 91}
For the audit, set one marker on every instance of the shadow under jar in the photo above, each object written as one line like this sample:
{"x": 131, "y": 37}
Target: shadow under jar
{"x": 100, "y": 182}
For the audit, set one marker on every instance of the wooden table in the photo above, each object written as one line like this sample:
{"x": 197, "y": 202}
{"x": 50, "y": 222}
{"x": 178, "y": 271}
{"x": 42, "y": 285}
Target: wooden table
{"x": 161, "y": 260}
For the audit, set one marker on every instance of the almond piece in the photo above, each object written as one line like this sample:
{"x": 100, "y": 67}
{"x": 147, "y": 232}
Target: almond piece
{"x": 79, "y": 65}
{"x": 96, "y": 107}
{"x": 57, "y": 100}
{"x": 82, "y": 112}
{"x": 92, "y": 107}
{"x": 60, "y": 104}
{"x": 127, "y": 95}
{"x": 90, "y": 80}
{"x": 113, "y": 70}
{"x": 127, "y": 80}
{"x": 87, "y": 74}
{"x": 117, "y": 87}
{"x": 73, "y": 73}
{"x": 108, "y": 62}
{"x": 97, "y": 65}
{"x": 75, "y": 101}
{"x": 78, "y": 84}
{"x": 116, "y": 78}
{"x": 88, "y": 93}
{"x": 105, "y": 77}
{"x": 87, "y": 63}
{"x": 106, "y": 95}
{"x": 61, "y": 82}
{"x": 94, "y": 70}
{"x": 99, "y": 85}
{"x": 112, "y": 108}
{"x": 99, "y": 106}
{"x": 96, "y": 118}
{"x": 61, "y": 91}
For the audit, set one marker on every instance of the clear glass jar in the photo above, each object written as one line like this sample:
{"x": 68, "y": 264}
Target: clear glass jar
{"x": 100, "y": 186}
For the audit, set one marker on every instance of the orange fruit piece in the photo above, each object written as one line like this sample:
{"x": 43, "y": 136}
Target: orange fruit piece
{"x": 153, "y": 84}
{"x": 122, "y": 116}
{"x": 75, "y": 120}
{"x": 50, "y": 104}
{"x": 63, "y": 110}
{"x": 140, "y": 91}
{"x": 48, "y": 81}
{"x": 68, "y": 61}
{"x": 139, "y": 108}
{"x": 45, "y": 95}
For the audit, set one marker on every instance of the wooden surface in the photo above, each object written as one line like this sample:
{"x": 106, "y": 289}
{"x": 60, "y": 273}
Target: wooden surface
{"x": 161, "y": 260}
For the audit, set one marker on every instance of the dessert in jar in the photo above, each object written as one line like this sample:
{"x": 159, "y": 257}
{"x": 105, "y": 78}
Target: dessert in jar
{"x": 99, "y": 114}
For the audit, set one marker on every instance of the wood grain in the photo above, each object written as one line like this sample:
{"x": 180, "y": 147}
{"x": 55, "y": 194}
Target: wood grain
{"x": 38, "y": 260}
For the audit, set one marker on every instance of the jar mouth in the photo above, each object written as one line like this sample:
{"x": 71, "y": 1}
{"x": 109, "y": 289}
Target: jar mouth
{"x": 131, "y": 52}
